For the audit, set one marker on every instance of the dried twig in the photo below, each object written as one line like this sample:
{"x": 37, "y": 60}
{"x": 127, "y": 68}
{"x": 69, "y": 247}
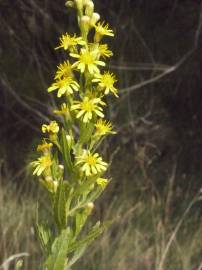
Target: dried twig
{"x": 172, "y": 68}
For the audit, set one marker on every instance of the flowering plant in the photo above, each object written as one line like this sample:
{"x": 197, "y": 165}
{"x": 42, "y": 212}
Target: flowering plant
{"x": 69, "y": 167}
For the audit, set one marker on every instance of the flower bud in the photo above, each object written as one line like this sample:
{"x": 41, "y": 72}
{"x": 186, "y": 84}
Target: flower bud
{"x": 19, "y": 265}
{"x": 53, "y": 138}
{"x": 50, "y": 184}
{"x": 89, "y": 208}
{"x": 61, "y": 167}
{"x": 89, "y": 9}
{"x": 85, "y": 2}
{"x": 55, "y": 186}
{"x": 70, "y": 4}
{"x": 94, "y": 18}
{"x": 69, "y": 140}
{"x": 85, "y": 24}
{"x": 102, "y": 182}
{"x": 48, "y": 179}
{"x": 79, "y": 4}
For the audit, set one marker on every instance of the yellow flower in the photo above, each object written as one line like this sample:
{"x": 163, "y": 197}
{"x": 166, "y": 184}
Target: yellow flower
{"x": 87, "y": 61}
{"x": 67, "y": 42}
{"x": 64, "y": 70}
{"x": 103, "y": 128}
{"x": 44, "y": 147}
{"x": 91, "y": 164}
{"x": 101, "y": 49}
{"x": 102, "y": 182}
{"x": 51, "y": 128}
{"x": 64, "y": 110}
{"x": 106, "y": 81}
{"x": 87, "y": 107}
{"x": 102, "y": 30}
{"x": 104, "y": 51}
{"x": 41, "y": 164}
{"x": 66, "y": 85}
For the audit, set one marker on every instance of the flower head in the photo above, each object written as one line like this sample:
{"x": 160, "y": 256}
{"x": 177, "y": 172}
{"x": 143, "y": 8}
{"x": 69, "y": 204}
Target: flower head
{"x": 67, "y": 42}
{"x": 64, "y": 110}
{"x": 104, "y": 51}
{"x": 102, "y": 182}
{"x": 44, "y": 147}
{"x": 102, "y": 29}
{"x": 87, "y": 107}
{"x": 106, "y": 81}
{"x": 64, "y": 86}
{"x": 42, "y": 164}
{"x": 91, "y": 164}
{"x": 103, "y": 128}
{"x": 87, "y": 61}
{"x": 64, "y": 70}
{"x": 51, "y": 128}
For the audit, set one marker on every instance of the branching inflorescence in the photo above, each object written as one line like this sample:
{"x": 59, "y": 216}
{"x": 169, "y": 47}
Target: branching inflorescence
{"x": 69, "y": 167}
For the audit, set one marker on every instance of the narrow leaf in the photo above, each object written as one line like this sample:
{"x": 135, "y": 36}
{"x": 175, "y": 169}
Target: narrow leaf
{"x": 60, "y": 211}
{"x": 57, "y": 260}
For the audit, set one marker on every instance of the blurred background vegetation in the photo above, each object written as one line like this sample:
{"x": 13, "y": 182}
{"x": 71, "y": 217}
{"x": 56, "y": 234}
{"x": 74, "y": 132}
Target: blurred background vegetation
{"x": 155, "y": 195}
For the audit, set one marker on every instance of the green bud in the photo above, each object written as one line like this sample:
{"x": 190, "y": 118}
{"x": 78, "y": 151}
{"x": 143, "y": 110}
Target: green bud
{"x": 19, "y": 265}
{"x": 85, "y": 2}
{"x": 70, "y": 140}
{"x": 48, "y": 183}
{"x": 55, "y": 186}
{"x": 85, "y": 24}
{"x": 49, "y": 178}
{"x": 89, "y": 208}
{"x": 70, "y": 4}
{"x": 61, "y": 167}
{"x": 94, "y": 18}
{"x": 89, "y": 9}
{"x": 79, "y": 4}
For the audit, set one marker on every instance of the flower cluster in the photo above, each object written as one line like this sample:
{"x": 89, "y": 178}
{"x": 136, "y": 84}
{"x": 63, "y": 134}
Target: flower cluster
{"x": 69, "y": 149}
{"x": 82, "y": 107}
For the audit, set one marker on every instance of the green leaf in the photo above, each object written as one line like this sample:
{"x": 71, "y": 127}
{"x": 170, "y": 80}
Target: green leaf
{"x": 54, "y": 167}
{"x": 60, "y": 205}
{"x": 66, "y": 152}
{"x": 86, "y": 132}
{"x": 57, "y": 260}
{"x": 85, "y": 187}
{"x": 93, "y": 233}
{"x": 81, "y": 218}
{"x": 77, "y": 255}
{"x": 95, "y": 194}
{"x": 45, "y": 237}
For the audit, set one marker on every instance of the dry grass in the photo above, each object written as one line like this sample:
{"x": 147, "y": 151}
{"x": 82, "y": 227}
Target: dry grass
{"x": 139, "y": 239}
